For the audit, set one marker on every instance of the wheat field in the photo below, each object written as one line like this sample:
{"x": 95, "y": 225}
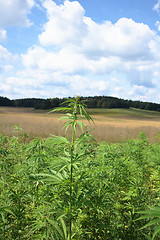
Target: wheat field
{"x": 114, "y": 125}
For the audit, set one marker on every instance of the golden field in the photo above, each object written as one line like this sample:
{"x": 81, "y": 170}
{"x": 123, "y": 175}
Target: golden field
{"x": 111, "y": 125}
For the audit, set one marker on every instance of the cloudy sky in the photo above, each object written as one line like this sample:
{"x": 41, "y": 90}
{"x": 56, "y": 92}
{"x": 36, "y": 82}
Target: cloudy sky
{"x": 87, "y": 47}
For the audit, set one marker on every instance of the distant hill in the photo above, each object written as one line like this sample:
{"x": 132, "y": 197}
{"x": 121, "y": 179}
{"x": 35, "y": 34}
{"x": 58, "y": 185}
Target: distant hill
{"x": 91, "y": 102}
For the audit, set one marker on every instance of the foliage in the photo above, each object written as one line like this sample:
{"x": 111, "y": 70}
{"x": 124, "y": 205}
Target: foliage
{"x": 91, "y": 102}
{"x": 74, "y": 188}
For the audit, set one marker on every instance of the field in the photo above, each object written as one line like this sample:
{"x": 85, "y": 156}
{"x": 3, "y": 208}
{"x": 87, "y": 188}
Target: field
{"x": 111, "y": 125}
{"x": 58, "y": 188}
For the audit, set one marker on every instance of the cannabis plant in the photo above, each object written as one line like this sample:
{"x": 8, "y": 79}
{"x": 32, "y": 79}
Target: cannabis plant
{"x": 66, "y": 174}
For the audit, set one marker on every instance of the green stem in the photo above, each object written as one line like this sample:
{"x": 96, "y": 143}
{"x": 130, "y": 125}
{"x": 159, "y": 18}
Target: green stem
{"x": 71, "y": 179}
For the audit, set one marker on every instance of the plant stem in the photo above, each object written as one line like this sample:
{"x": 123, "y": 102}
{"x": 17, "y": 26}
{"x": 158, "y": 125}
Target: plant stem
{"x": 71, "y": 174}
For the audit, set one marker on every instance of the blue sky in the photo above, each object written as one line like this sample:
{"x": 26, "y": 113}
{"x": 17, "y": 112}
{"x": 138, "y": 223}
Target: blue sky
{"x": 87, "y": 47}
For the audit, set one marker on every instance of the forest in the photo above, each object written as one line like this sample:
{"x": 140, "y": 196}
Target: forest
{"x": 91, "y": 102}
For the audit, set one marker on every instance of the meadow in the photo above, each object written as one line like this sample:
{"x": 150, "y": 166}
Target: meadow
{"x": 74, "y": 186}
{"x": 111, "y": 125}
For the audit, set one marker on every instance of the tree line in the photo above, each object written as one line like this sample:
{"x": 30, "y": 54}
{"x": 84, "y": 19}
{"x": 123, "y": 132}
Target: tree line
{"x": 91, "y": 102}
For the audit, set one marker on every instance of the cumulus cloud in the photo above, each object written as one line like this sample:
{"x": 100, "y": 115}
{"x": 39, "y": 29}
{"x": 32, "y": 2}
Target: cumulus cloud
{"x": 143, "y": 94}
{"x": 76, "y": 55}
{"x": 124, "y": 39}
{"x": 65, "y": 23}
{"x": 13, "y": 13}
{"x": 65, "y": 60}
{"x": 73, "y": 49}
{"x": 7, "y": 60}
{"x": 68, "y": 26}
{"x": 81, "y": 85}
{"x": 5, "y": 55}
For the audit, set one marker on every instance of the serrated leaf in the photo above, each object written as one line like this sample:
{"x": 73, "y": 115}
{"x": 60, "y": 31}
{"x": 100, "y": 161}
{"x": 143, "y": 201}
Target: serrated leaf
{"x": 59, "y": 140}
{"x": 60, "y": 109}
{"x": 156, "y": 231}
{"x": 155, "y": 221}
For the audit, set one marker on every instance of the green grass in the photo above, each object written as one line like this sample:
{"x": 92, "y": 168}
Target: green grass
{"x": 121, "y": 112}
{"x": 115, "y": 112}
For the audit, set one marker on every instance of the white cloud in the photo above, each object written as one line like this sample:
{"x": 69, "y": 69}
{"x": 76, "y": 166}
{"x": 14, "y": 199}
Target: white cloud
{"x": 58, "y": 83}
{"x": 68, "y": 26}
{"x": 125, "y": 38}
{"x": 143, "y": 94}
{"x": 157, "y": 6}
{"x": 137, "y": 90}
{"x": 14, "y": 12}
{"x": 73, "y": 46}
{"x": 5, "y": 55}
{"x": 6, "y": 68}
{"x": 7, "y": 60}
{"x": 76, "y": 55}
{"x": 81, "y": 85}
{"x": 2, "y": 34}
{"x": 158, "y": 25}
{"x": 65, "y": 23}
{"x": 65, "y": 60}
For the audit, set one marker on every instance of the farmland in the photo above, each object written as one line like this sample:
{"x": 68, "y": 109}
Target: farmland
{"x": 79, "y": 184}
{"x": 111, "y": 125}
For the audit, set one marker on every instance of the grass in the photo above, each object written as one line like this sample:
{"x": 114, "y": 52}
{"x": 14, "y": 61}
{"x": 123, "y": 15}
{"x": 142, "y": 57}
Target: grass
{"x": 111, "y": 125}
{"x": 127, "y": 113}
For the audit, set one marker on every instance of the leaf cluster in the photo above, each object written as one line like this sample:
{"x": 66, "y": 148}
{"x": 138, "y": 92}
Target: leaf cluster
{"x": 62, "y": 189}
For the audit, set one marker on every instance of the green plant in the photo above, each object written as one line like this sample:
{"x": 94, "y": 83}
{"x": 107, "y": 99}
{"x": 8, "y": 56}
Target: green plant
{"x": 64, "y": 174}
{"x": 153, "y": 213}
{"x": 65, "y": 188}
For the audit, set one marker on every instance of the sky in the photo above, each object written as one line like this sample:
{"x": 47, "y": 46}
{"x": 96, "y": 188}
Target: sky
{"x": 67, "y": 48}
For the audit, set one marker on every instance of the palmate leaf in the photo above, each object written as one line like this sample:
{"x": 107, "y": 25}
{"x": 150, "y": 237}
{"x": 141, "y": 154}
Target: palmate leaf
{"x": 152, "y": 212}
{"x": 67, "y": 125}
{"x": 46, "y": 222}
{"x": 155, "y": 221}
{"x": 53, "y": 232}
{"x": 54, "y": 179}
{"x": 61, "y": 109}
{"x": 57, "y": 227}
{"x": 67, "y": 116}
{"x": 86, "y": 115}
{"x": 62, "y": 166}
{"x": 64, "y": 227}
{"x": 80, "y": 156}
{"x": 58, "y": 140}
{"x": 7, "y": 210}
{"x": 75, "y": 106}
{"x": 81, "y": 124}
{"x": 77, "y": 149}
{"x": 81, "y": 137}
{"x": 156, "y": 231}
{"x": 59, "y": 164}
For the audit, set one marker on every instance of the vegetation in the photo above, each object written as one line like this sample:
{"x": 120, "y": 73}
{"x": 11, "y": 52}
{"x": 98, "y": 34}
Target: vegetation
{"x": 5, "y": 101}
{"x": 74, "y": 188}
{"x": 91, "y": 102}
{"x": 111, "y": 125}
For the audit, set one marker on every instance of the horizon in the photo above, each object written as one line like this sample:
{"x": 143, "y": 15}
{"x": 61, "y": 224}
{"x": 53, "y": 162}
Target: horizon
{"x": 66, "y": 48}
{"x": 125, "y": 99}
